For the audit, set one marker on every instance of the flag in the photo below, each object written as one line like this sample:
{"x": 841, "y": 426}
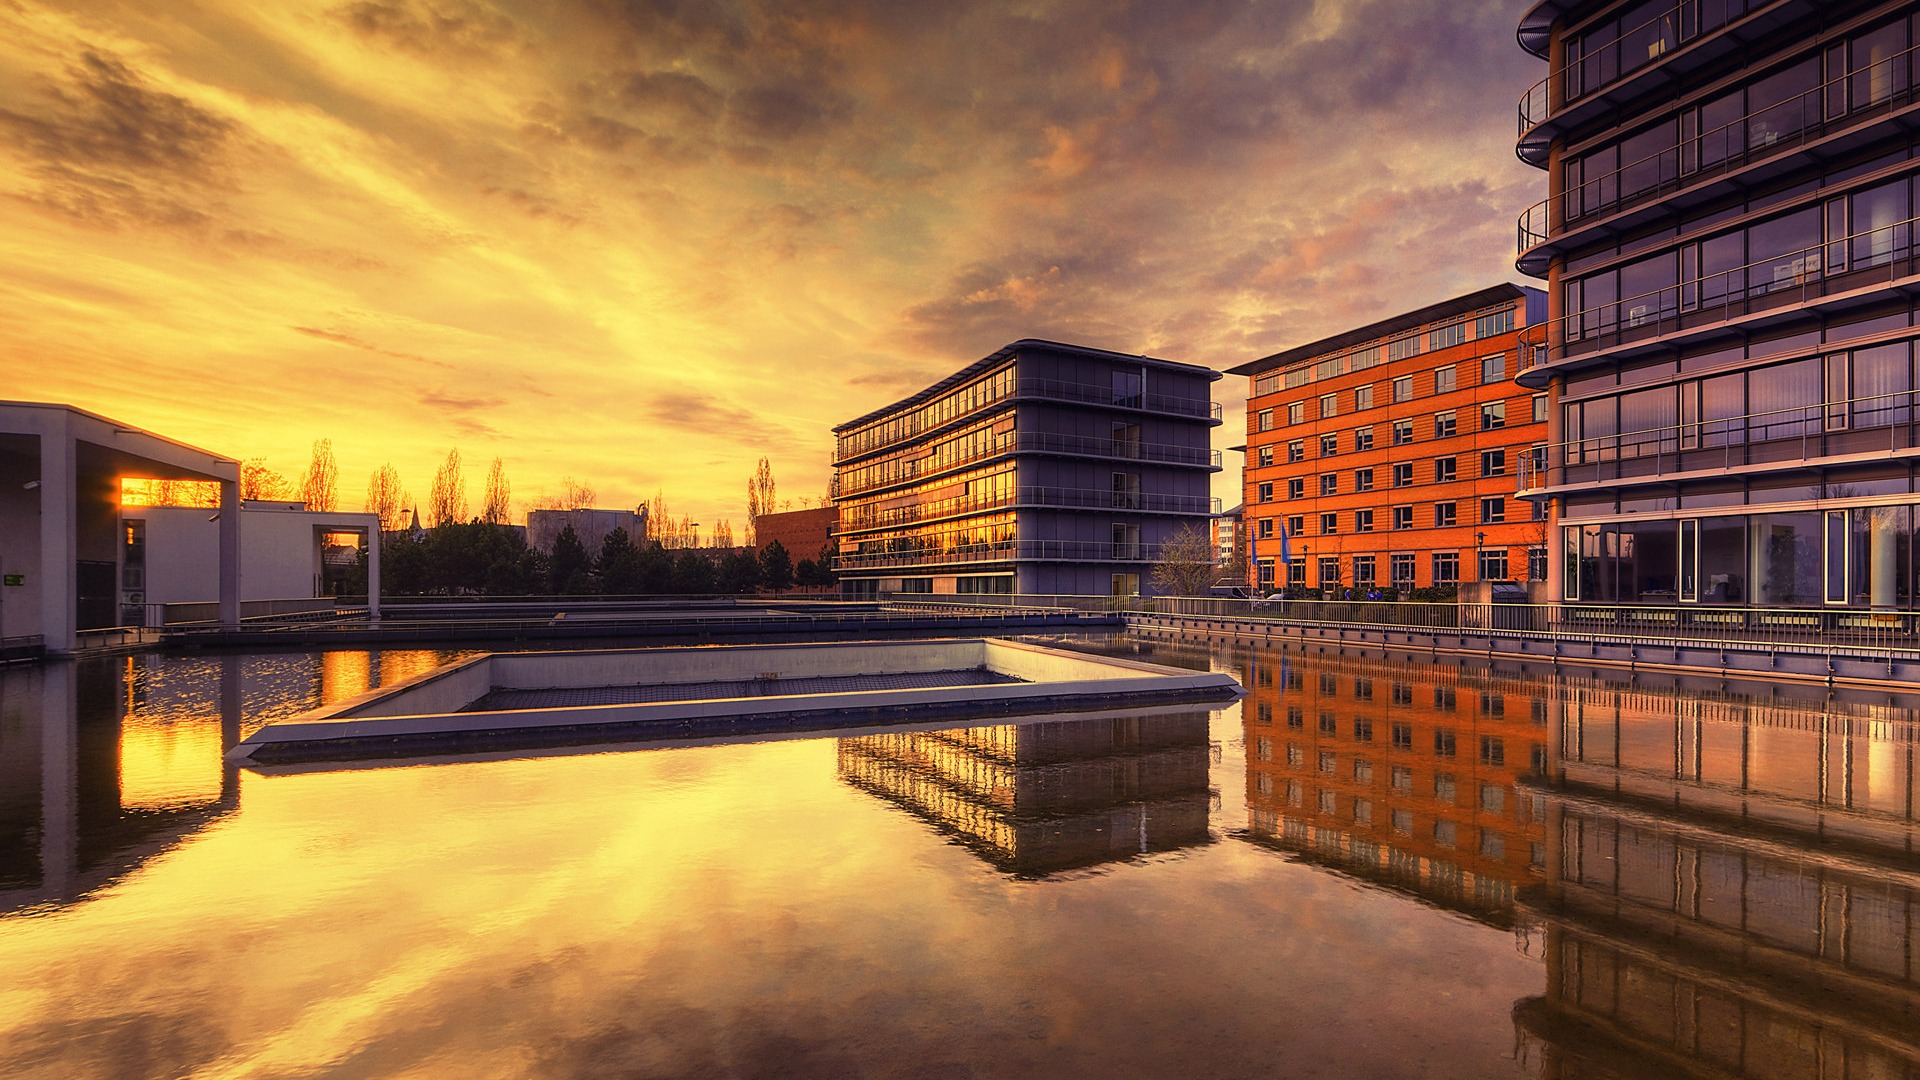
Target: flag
{"x": 1286, "y": 553}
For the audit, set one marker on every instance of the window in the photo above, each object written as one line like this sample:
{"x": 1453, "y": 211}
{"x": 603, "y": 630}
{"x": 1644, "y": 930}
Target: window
{"x": 1329, "y": 445}
{"x": 1297, "y": 487}
{"x": 1363, "y": 811}
{"x": 1495, "y": 322}
{"x": 1540, "y": 509}
{"x": 1329, "y": 405}
{"x": 1403, "y": 474}
{"x": 1363, "y": 523}
{"x": 1403, "y": 388}
{"x": 1493, "y": 565}
{"x": 1266, "y": 491}
{"x": 1493, "y": 463}
{"x": 1329, "y": 802}
{"x": 1329, "y": 523}
{"x": 1443, "y": 380}
{"x": 1493, "y": 369}
{"x": 1403, "y": 822}
{"x": 1536, "y": 564}
{"x": 1362, "y": 397}
{"x": 1443, "y": 833}
{"x": 1492, "y": 844}
{"x": 1297, "y": 450}
{"x": 1445, "y": 697}
{"x": 1402, "y": 569}
{"x": 1329, "y": 483}
{"x": 1445, "y": 337}
{"x": 1443, "y": 517}
{"x": 1401, "y": 348}
{"x": 1402, "y": 432}
{"x": 1297, "y": 524}
{"x": 1444, "y": 788}
{"x": 1363, "y": 770}
{"x": 1362, "y": 439}
{"x": 1539, "y": 408}
{"x": 1363, "y": 572}
{"x": 1266, "y": 419}
{"x": 1403, "y": 519}
{"x": 1363, "y": 479}
{"x": 1363, "y": 690}
{"x": 1295, "y": 756}
{"x": 1296, "y": 412}
{"x": 1493, "y": 750}
{"x": 1401, "y": 778}
{"x": 1327, "y": 762}
{"x": 1493, "y": 798}
{"x": 1493, "y": 511}
{"x": 1266, "y": 526}
{"x": 1265, "y": 456}
{"x": 1402, "y": 693}
{"x": 1126, "y": 490}
{"x": 1443, "y": 743}
{"x": 1127, "y": 386}
{"x": 1493, "y": 415}
{"x": 1445, "y": 470}
{"x": 1446, "y": 568}
{"x": 1444, "y": 424}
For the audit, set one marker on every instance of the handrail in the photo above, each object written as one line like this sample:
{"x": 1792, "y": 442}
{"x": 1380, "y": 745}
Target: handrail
{"x": 1084, "y": 550}
{"x": 1682, "y": 442}
{"x": 1536, "y": 225}
{"x": 1804, "y": 267}
{"x": 1536, "y": 105}
{"x": 1018, "y": 442}
{"x": 848, "y": 446}
{"x": 1078, "y": 498}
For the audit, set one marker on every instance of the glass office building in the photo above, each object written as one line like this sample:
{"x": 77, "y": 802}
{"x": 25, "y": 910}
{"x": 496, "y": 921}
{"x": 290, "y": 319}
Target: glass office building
{"x": 1041, "y": 469}
{"x": 1729, "y": 251}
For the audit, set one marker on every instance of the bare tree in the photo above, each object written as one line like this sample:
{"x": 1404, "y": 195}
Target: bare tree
{"x": 760, "y": 492}
{"x": 259, "y": 482}
{"x": 320, "y": 489}
{"x": 496, "y": 510}
{"x": 447, "y": 502}
{"x": 574, "y": 495}
{"x": 386, "y": 498}
{"x": 723, "y": 534}
{"x": 1186, "y": 563}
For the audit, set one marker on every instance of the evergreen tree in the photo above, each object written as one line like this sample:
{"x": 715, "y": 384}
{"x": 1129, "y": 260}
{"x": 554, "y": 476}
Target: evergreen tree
{"x": 692, "y": 573}
{"x": 776, "y": 567}
{"x": 739, "y": 572}
{"x": 569, "y": 565}
{"x": 618, "y": 567}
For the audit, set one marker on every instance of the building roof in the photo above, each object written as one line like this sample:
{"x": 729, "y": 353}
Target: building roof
{"x": 1459, "y": 305}
{"x": 1007, "y": 352}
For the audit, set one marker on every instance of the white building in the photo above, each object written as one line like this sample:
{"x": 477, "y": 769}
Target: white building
{"x": 284, "y": 553}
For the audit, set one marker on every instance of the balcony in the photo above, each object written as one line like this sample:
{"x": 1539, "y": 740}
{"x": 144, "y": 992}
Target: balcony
{"x": 1038, "y": 442}
{"x": 1009, "y": 551}
{"x": 1742, "y": 153}
{"x": 1863, "y": 429}
{"x": 1843, "y": 272}
{"x": 1648, "y": 57}
{"x": 855, "y": 519}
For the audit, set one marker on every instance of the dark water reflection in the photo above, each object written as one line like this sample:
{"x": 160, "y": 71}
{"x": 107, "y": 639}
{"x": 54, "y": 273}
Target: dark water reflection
{"x": 1363, "y": 868}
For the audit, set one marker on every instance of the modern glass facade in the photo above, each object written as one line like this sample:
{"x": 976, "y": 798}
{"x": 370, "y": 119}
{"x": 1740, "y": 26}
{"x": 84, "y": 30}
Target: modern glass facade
{"x": 1041, "y": 469}
{"x": 1728, "y": 243}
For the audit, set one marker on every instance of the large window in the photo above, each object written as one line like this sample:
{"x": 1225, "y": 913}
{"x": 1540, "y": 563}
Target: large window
{"x": 1445, "y": 424}
{"x": 1403, "y": 474}
{"x": 1402, "y": 432}
{"x": 1445, "y": 469}
{"x": 1402, "y": 518}
{"x": 1403, "y": 388}
{"x": 1493, "y": 565}
{"x": 1446, "y": 568}
{"x": 1363, "y": 479}
{"x": 1444, "y": 380}
{"x": 1363, "y": 521}
{"x": 1362, "y": 439}
{"x": 1362, "y": 398}
{"x": 1401, "y": 568}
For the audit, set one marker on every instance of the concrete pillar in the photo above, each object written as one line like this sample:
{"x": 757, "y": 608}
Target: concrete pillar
{"x": 59, "y": 533}
{"x": 1883, "y": 574}
{"x": 229, "y": 554}
{"x": 373, "y": 573}
{"x": 59, "y": 780}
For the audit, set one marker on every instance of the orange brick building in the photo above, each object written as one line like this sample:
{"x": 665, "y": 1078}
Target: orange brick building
{"x": 1386, "y": 456}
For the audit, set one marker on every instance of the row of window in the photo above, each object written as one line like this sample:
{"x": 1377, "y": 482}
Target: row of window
{"x": 1493, "y": 511}
{"x": 1485, "y": 325}
{"x": 1493, "y": 844}
{"x": 905, "y": 424}
{"x": 1446, "y": 425}
{"x": 1493, "y": 566}
{"x": 1639, "y": 35}
{"x": 1444, "y": 470}
{"x": 1445, "y": 381}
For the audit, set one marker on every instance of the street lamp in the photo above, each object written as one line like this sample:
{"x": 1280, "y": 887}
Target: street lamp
{"x": 1479, "y": 559}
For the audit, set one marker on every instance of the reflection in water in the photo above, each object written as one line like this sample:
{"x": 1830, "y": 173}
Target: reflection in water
{"x": 1735, "y": 890}
{"x": 1035, "y": 798}
{"x": 1400, "y": 773}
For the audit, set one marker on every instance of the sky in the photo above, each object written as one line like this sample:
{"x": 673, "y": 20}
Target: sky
{"x": 645, "y": 243}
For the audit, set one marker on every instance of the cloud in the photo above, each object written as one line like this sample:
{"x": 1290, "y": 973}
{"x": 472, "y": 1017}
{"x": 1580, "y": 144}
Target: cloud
{"x": 430, "y": 28}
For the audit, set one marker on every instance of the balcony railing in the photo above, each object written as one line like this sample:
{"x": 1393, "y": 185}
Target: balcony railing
{"x": 1634, "y": 48}
{"x": 1009, "y": 551}
{"x": 1877, "y": 424}
{"x": 1753, "y": 137}
{"x": 1041, "y": 442}
{"x": 1056, "y": 389}
{"x": 1035, "y": 496}
{"x": 1798, "y": 276}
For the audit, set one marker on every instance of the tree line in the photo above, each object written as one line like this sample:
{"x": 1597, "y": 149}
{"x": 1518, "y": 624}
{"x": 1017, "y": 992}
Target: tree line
{"x": 484, "y": 559}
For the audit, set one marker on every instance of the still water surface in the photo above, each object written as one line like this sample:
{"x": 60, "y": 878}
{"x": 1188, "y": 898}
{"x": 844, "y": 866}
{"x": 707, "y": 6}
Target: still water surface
{"x": 1363, "y": 868}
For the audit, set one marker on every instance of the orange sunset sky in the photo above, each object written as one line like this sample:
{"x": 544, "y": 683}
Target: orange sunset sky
{"x": 644, "y": 243}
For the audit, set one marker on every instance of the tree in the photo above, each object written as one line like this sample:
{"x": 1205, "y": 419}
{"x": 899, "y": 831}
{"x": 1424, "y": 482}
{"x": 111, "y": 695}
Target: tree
{"x": 760, "y": 492}
{"x": 259, "y": 482}
{"x": 776, "y": 567}
{"x": 496, "y": 509}
{"x": 723, "y": 534}
{"x": 739, "y": 572}
{"x": 387, "y": 499}
{"x": 447, "y": 502}
{"x": 692, "y": 573}
{"x": 568, "y": 566}
{"x": 320, "y": 490}
{"x": 618, "y": 569}
{"x": 1186, "y": 563}
{"x": 574, "y": 495}
{"x": 806, "y": 573}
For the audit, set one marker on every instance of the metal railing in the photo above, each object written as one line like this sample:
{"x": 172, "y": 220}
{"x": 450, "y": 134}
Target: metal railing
{"x": 1801, "y": 275}
{"x": 912, "y": 426}
{"x": 1755, "y": 136}
{"x": 1075, "y": 550}
{"x": 1031, "y": 496}
{"x": 1024, "y": 442}
{"x": 1798, "y": 433}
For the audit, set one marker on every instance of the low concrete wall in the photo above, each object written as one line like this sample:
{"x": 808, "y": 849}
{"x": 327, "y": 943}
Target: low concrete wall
{"x": 631, "y": 667}
{"x": 443, "y": 690}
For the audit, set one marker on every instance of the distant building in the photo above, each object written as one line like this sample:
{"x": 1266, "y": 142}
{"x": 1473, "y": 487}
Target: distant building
{"x": 287, "y": 552}
{"x": 1226, "y": 532}
{"x": 1387, "y": 455}
{"x": 1043, "y": 468}
{"x": 590, "y": 526}
{"x": 802, "y": 532}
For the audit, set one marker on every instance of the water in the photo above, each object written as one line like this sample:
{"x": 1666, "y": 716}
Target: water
{"x": 1573, "y": 876}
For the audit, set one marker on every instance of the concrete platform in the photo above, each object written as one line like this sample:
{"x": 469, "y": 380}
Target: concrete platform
{"x": 426, "y": 715}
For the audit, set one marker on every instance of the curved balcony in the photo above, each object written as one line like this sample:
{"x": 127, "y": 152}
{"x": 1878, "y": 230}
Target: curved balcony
{"x": 1740, "y": 154}
{"x": 1042, "y": 442}
{"x": 1853, "y": 430}
{"x": 1561, "y": 102}
{"x": 1003, "y": 552}
{"x": 1843, "y": 272}
{"x": 1536, "y": 26}
{"x": 852, "y": 447}
{"x": 1030, "y": 497}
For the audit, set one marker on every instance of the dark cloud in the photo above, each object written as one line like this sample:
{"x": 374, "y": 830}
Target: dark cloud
{"x": 676, "y": 94}
{"x": 435, "y": 28}
{"x": 705, "y": 414}
{"x": 341, "y": 338}
{"x": 110, "y": 150}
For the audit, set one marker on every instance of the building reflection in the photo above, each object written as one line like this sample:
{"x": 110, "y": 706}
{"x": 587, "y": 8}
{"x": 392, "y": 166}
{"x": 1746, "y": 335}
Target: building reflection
{"x": 1400, "y": 773}
{"x": 1735, "y": 890}
{"x": 1038, "y": 798}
